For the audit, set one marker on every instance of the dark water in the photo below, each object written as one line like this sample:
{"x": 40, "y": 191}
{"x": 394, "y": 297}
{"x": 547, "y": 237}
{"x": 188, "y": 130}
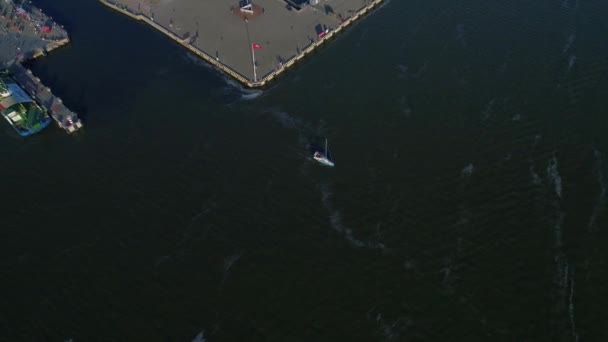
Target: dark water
{"x": 468, "y": 202}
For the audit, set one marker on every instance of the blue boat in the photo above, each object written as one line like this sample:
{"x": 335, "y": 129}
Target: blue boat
{"x": 18, "y": 108}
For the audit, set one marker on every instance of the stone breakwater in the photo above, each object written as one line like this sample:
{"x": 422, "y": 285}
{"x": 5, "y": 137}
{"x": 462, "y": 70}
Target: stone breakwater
{"x": 240, "y": 72}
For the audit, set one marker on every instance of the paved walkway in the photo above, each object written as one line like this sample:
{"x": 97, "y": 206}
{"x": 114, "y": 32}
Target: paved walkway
{"x": 21, "y": 32}
{"x": 212, "y": 27}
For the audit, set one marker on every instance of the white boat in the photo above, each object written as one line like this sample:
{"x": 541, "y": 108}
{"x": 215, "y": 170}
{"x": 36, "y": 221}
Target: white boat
{"x": 323, "y": 157}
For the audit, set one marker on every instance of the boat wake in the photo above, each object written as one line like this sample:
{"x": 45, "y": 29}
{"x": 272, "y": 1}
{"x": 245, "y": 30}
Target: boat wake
{"x": 421, "y": 70}
{"x": 461, "y": 35}
{"x": 467, "y": 171}
{"x": 571, "y": 62}
{"x": 285, "y": 120}
{"x": 401, "y": 70}
{"x": 405, "y": 107}
{"x": 569, "y": 43}
{"x": 232, "y": 87}
{"x": 390, "y": 330}
{"x": 449, "y": 274}
{"x": 306, "y": 132}
{"x": 565, "y": 273}
{"x": 571, "y": 308}
{"x": 535, "y": 177}
{"x": 554, "y": 181}
{"x": 200, "y": 337}
{"x": 236, "y": 92}
{"x": 570, "y": 4}
{"x": 486, "y": 113}
{"x": 554, "y": 178}
{"x": 246, "y": 94}
{"x": 229, "y": 261}
{"x": 383, "y": 4}
{"x": 335, "y": 219}
{"x": 601, "y": 201}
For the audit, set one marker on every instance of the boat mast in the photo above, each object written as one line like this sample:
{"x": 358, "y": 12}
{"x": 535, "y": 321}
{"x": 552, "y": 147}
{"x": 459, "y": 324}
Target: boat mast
{"x": 326, "y": 156}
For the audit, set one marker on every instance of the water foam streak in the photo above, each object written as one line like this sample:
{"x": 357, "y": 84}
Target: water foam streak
{"x": 554, "y": 177}
{"x": 569, "y": 43}
{"x": 601, "y": 202}
{"x": 571, "y": 62}
{"x": 535, "y": 177}
{"x": 564, "y": 276}
{"x": 200, "y": 337}
{"x": 229, "y": 261}
{"x": 335, "y": 219}
{"x": 571, "y": 308}
{"x": 487, "y": 111}
{"x": 390, "y": 330}
{"x": 467, "y": 171}
{"x": 570, "y": 4}
{"x": 461, "y": 35}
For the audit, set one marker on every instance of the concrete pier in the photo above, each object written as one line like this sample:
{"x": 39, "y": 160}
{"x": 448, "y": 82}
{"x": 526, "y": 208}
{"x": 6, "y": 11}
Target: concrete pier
{"x": 223, "y": 35}
{"x": 64, "y": 117}
{"x": 27, "y": 33}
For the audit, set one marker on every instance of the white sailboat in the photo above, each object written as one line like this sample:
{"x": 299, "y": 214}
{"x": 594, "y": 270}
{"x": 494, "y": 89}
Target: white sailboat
{"x": 323, "y": 157}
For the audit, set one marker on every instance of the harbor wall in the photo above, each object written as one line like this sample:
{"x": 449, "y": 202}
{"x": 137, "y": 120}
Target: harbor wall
{"x": 183, "y": 42}
{"x": 50, "y": 47}
{"x": 42, "y": 94}
{"x": 64, "y": 117}
{"x": 228, "y": 70}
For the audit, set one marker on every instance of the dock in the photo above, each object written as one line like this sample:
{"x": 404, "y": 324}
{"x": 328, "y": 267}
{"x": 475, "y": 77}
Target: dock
{"x": 27, "y": 33}
{"x": 64, "y": 117}
{"x": 252, "y": 41}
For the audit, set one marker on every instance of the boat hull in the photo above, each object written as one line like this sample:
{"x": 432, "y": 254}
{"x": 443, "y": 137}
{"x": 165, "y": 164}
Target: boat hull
{"x": 34, "y": 130}
{"x": 20, "y": 110}
{"x": 323, "y": 160}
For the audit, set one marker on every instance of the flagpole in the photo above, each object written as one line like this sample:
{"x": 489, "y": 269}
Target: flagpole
{"x": 255, "y": 77}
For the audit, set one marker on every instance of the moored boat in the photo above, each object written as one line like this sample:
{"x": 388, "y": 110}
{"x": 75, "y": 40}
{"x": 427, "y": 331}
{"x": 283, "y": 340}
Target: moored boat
{"x": 18, "y": 108}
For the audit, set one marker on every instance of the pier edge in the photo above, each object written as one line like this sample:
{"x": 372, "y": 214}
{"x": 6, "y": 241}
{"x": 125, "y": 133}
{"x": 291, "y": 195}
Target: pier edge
{"x": 231, "y": 72}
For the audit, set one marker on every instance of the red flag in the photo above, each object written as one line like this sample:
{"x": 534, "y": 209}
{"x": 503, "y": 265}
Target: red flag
{"x": 256, "y": 46}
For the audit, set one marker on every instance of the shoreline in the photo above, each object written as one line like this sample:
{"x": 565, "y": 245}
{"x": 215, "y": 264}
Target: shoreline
{"x": 227, "y": 69}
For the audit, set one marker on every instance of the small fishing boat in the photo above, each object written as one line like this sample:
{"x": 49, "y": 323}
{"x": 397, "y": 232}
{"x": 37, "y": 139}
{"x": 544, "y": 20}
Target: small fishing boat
{"x": 323, "y": 157}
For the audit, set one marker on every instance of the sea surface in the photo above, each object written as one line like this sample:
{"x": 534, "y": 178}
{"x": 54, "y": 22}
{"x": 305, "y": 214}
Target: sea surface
{"x": 468, "y": 201}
